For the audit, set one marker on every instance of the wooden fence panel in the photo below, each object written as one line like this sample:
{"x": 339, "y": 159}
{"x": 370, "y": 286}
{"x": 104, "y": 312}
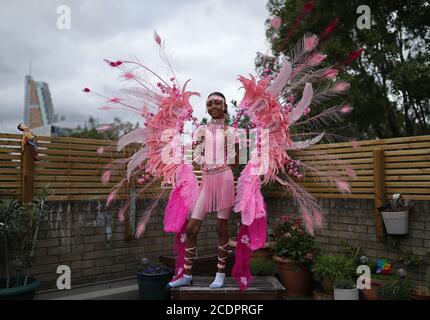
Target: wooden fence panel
{"x": 74, "y": 166}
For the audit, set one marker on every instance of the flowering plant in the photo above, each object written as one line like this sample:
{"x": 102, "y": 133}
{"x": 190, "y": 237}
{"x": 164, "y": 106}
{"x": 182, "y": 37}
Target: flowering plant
{"x": 292, "y": 242}
{"x": 148, "y": 267}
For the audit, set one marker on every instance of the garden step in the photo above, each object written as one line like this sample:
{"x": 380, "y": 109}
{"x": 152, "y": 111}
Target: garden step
{"x": 261, "y": 288}
{"x": 121, "y": 289}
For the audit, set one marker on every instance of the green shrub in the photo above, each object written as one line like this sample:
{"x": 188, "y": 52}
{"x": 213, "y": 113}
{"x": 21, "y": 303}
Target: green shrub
{"x": 344, "y": 283}
{"x": 334, "y": 267}
{"x": 292, "y": 242}
{"x": 395, "y": 288}
{"x": 263, "y": 267}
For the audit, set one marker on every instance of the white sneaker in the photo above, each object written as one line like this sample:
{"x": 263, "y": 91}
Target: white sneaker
{"x": 219, "y": 281}
{"x": 185, "y": 280}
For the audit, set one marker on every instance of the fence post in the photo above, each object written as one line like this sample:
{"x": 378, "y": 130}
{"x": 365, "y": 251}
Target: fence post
{"x": 379, "y": 182}
{"x": 27, "y": 162}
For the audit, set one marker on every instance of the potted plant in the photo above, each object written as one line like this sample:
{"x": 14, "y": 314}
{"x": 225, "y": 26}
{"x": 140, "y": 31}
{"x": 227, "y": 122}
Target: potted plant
{"x": 396, "y": 215}
{"x": 422, "y": 292}
{"x": 262, "y": 267}
{"x": 345, "y": 289}
{"x": 381, "y": 270}
{"x": 395, "y": 288}
{"x": 19, "y": 226}
{"x": 294, "y": 251}
{"x": 329, "y": 267}
{"x": 152, "y": 279}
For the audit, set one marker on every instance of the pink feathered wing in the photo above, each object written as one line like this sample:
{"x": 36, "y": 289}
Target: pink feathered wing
{"x": 181, "y": 200}
{"x": 252, "y": 235}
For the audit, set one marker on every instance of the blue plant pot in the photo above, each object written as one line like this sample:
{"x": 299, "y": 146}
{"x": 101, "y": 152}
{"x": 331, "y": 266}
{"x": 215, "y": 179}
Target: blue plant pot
{"x": 18, "y": 292}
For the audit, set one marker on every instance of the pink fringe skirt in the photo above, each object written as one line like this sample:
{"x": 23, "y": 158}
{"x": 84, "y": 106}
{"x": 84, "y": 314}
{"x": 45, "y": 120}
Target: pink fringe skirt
{"x": 218, "y": 190}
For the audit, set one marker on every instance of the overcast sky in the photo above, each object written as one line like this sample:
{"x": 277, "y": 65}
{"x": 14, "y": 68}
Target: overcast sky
{"x": 209, "y": 41}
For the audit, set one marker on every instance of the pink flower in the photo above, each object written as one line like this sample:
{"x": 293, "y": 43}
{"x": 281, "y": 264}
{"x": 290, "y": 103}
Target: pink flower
{"x": 287, "y": 235}
{"x": 276, "y": 23}
{"x": 245, "y": 239}
{"x": 243, "y": 281}
{"x": 309, "y": 256}
{"x": 285, "y": 218}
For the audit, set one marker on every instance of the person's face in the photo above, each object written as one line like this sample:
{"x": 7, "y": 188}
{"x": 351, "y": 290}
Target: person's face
{"x": 215, "y": 107}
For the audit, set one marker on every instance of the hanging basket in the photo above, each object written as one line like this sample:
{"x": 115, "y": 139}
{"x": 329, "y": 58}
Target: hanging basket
{"x": 396, "y": 222}
{"x": 396, "y": 215}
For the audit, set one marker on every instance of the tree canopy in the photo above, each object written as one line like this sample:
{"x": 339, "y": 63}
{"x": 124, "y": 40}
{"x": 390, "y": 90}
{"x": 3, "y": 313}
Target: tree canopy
{"x": 390, "y": 87}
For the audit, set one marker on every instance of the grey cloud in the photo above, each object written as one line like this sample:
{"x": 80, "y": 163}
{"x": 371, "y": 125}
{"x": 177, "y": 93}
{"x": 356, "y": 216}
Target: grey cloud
{"x": 210, "y": 42}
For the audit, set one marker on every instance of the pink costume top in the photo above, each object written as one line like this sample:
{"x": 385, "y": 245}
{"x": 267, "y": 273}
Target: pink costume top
{"x": 215, "y": 152}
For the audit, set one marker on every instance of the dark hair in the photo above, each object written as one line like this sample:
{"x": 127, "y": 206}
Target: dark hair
{"x": 216, "y": 93}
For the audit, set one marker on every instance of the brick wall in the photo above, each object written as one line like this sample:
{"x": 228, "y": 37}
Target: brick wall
{"x": 75, "y": 235}
{"x": 353, "y": 221}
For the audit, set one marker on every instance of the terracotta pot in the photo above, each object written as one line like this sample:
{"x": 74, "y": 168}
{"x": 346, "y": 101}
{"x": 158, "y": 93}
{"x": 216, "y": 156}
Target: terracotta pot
{"x": 297, "y": 280}
{"x": 420, "y": 293}
{"x": 265, "y": 253}
{"x": 327, "y": 285}
{"x": 372, "y": 293}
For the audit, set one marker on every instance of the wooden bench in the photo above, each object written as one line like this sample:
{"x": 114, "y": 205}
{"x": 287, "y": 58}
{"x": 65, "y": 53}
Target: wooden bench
{"x": 205, "y": 264}
{"x": 261, "y": 288}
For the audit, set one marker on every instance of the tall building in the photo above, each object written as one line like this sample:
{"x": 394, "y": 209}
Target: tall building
{"x": 38, "y": 108}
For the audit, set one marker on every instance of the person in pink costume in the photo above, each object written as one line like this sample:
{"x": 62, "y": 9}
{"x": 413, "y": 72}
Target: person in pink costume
{"x": 214, "y": 152}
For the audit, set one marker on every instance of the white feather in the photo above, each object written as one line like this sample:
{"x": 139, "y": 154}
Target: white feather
{"x": 306, "y": 100}
{"x": 298, "y": 145}
{"x": 281, "y": 79}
